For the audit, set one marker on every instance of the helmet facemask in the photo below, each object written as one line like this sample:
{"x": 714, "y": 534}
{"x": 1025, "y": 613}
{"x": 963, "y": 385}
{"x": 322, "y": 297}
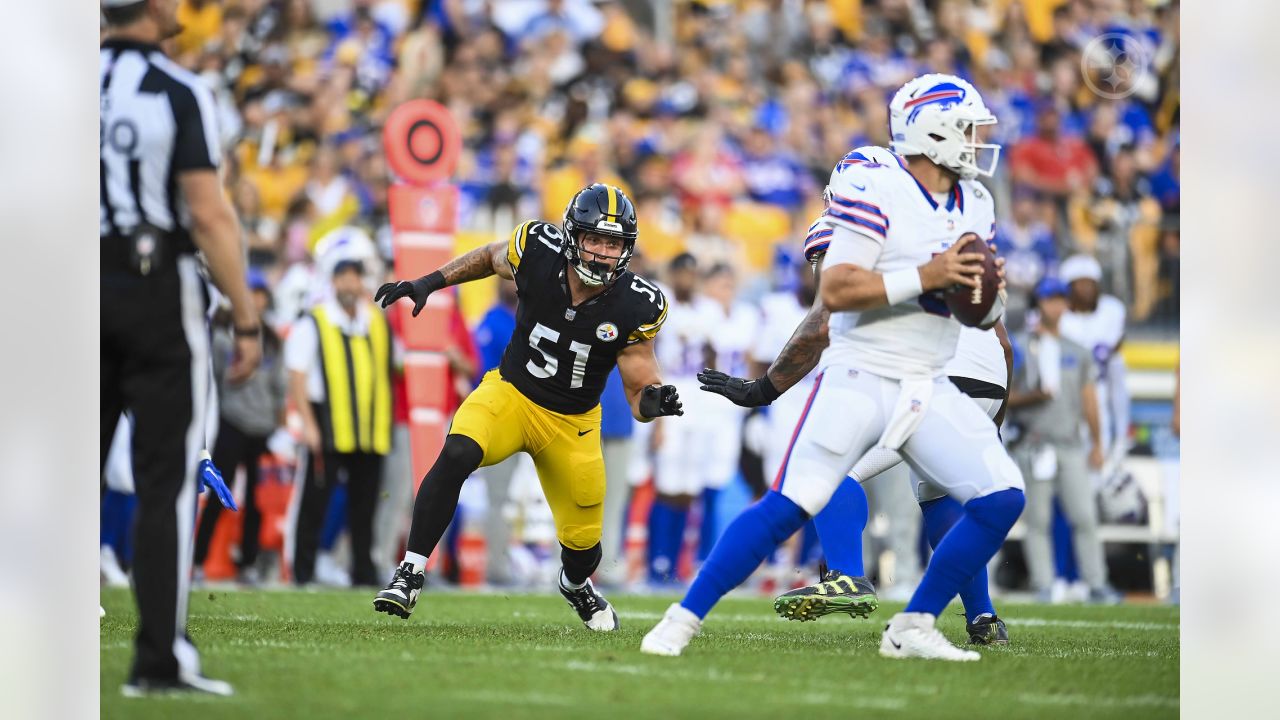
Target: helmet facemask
{"x": 968, "y": 160}
{"x": 595, "y": 272}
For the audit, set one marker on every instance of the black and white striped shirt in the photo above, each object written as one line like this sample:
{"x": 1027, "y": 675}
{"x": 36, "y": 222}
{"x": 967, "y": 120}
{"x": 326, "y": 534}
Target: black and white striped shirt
{"x": 158, "y": 120}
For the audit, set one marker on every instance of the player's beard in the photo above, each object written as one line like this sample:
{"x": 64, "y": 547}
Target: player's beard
{"x": 348, "y": 300}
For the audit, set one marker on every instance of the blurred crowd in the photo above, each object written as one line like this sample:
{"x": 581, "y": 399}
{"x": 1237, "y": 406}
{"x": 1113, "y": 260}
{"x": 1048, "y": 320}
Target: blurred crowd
{"x": 722, "y": 119}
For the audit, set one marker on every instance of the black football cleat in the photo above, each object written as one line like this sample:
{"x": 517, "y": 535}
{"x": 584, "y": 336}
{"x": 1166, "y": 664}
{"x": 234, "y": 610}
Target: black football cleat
{"x": 594, "y": 611}
{"x": 401, "y": 595}
{"x": 987, "y": 629}
{"x": 836, "y": 592}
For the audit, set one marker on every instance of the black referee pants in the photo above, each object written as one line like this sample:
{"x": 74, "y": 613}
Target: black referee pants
{"x": 363, "y": 474}
{"x": 155, "y": 364}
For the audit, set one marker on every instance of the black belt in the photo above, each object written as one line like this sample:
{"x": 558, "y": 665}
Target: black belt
{"x": 978, "y": 388}
{"x": 120, "y": 253}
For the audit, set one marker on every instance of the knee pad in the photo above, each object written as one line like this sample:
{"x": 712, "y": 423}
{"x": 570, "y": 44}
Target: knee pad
{"x": 999, "y": 510}
{"x": 580, "y": 538}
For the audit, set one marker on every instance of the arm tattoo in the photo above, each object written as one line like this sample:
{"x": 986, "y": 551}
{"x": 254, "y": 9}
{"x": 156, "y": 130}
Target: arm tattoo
{"x": 474, "y": 265}
{"x": 802, "y": 351}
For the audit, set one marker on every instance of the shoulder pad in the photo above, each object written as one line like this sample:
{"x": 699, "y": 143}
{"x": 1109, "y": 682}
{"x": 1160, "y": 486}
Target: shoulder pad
{"x": 532, "y": 234}
{"x": 856, "y": 200}
{"x": 652, "y": 312}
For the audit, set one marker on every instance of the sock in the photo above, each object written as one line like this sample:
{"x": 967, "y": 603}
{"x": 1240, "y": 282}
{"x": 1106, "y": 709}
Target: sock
{"x": 707, "y": 534}
{"x": 659, "y": 520}
{"x": 576, "y": 566}
{"x": 419, "y": 562}
{"x": 116, "y": 517}
{"x": 564, "y": 582}
{"x": 748, "y": 540}
{"x": 437, "y": 497}
{"x": 666, "y": 540}
{"x": 939, "y": 516}
{"x": 810, "y": 545}
{"x": 1064, "y": 551}
{"x": 840, "y": 526}
{"x": 966, "y": 548}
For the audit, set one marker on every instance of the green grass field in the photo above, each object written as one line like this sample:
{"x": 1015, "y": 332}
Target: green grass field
{"x": 328, "y": 655}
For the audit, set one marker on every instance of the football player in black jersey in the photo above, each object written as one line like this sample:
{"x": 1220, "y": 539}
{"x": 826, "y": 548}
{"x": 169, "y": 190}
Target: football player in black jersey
{"x": 580, "y": 312}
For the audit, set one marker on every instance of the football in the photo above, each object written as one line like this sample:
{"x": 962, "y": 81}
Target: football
{"x": 980, "y": 306}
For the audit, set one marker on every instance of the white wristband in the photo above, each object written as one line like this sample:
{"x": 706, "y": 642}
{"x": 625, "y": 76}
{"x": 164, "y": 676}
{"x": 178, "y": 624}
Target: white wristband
{"x": 902, "y": 285}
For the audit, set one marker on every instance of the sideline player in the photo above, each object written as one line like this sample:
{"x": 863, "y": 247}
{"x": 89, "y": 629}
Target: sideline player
{"x": 892, "y": 247}
{"x": 580, "y": 313}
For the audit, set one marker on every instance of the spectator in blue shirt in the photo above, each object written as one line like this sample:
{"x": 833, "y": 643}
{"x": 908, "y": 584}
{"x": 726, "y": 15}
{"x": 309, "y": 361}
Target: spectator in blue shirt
{"x": 773, "y": 176}
{"x": 1166, "y": 183}
{"x": 491, "y": 337}
{"x": 616, "y": 426}
{"x": 494, "y": 331}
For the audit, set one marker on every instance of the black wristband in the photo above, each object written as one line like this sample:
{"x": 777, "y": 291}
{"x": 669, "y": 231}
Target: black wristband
{"x": 254, "y": 331}
{"x": 434, "y": 281}
{"x": 768, "y": 390}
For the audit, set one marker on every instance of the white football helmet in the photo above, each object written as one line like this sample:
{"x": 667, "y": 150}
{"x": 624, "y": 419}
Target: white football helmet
{"x": 938, "y": 116}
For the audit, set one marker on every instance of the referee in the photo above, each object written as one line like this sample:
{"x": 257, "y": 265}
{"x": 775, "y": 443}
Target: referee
{"x": 161, "y": 200}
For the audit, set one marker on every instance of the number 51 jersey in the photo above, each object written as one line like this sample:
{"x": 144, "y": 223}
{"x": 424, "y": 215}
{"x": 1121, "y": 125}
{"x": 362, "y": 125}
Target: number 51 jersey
{"x": 560, "y": 355}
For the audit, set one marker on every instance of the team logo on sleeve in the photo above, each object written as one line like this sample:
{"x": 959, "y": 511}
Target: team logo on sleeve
{"x": 607, "y": 331}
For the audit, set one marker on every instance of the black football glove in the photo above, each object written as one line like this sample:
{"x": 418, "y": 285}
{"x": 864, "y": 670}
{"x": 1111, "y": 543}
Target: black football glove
{"x": 747, "y": 393}
{"x": 656, "y": 401}
{"x": 419, "y": 290}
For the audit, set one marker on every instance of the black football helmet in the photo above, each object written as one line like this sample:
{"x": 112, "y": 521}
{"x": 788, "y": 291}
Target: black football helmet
{"x": 603, "y": 210}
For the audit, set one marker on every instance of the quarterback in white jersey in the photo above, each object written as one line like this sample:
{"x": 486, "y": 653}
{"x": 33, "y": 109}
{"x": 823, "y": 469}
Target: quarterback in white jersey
{"x": 891, "y": 232}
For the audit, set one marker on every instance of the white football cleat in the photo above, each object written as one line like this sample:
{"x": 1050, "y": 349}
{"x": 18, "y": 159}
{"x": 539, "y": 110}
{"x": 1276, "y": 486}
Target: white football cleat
{"x": 109, "y": 567}
{"x": 672, "y": 633}
{"x": 593, "y": 610}
{"x": 912, "y": 635}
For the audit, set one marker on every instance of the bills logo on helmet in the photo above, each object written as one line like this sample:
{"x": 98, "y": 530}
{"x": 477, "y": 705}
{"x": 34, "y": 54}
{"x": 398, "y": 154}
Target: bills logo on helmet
{"x": 607, "y": 331}
{"x": 943, "y": 94}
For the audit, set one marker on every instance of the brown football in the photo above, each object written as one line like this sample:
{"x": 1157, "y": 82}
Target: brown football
{"x": 974, "y": 306}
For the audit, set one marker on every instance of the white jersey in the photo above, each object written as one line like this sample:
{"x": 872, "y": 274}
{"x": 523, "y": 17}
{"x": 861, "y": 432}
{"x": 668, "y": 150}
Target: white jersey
{"x": 681, "y": 346}
{"x": 882, "y": 219}
{"x": 979, "y": 357}
{"x": 730, "y": 334}
{"x": 780, "y": 314}
{"x": 1100, "y": 331}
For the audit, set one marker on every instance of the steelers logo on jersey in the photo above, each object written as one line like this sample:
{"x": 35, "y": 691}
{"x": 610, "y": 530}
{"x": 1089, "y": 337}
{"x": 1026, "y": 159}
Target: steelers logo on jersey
{"x": 607, "y": 331}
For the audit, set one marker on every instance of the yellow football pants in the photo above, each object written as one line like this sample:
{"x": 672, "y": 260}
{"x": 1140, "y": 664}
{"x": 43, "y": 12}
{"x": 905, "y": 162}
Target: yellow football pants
{"x": 565, "y": 450}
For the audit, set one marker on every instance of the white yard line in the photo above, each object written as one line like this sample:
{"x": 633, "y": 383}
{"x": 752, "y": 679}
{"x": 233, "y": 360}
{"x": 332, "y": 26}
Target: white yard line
{"x": 1146, "y": 700}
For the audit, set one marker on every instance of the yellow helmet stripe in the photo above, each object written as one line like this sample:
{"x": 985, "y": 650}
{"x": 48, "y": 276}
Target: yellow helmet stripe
{"x": 613, "y": 200}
